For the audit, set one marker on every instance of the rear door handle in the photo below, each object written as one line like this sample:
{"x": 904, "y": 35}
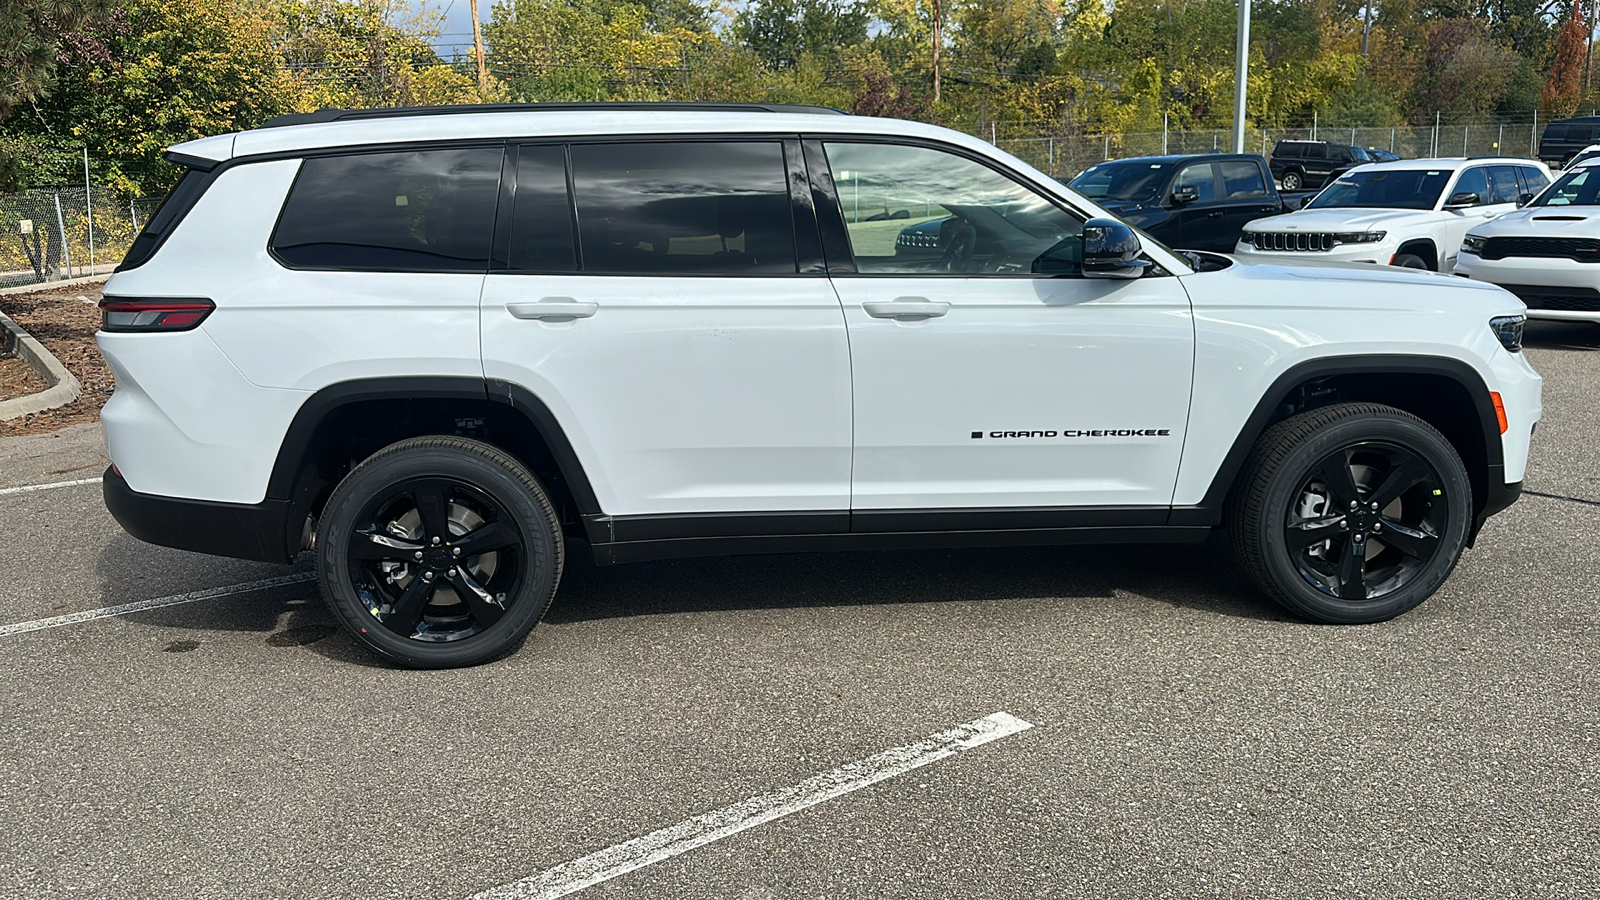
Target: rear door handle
{"x": 557, "y": 309}
{"x": 906, "y": 309}
{"x": 1214, "y": 215}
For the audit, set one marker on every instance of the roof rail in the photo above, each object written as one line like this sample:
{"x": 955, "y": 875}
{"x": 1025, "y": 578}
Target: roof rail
{"x": 341, "y": 115}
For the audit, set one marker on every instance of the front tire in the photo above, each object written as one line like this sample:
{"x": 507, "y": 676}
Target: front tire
{"x": 1352, "y": 513}
{"x": 438, "y": 552}
{"x": 1409, "y": 261}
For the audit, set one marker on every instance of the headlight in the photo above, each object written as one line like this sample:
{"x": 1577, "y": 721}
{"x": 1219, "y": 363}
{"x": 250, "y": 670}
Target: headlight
{"x": 1473, "y": 245}
{"x": 1359, "y": 237}
{"x": 1509, "y": 330}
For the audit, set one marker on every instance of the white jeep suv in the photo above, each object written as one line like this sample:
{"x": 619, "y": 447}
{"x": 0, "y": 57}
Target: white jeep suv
{"x": 1412, "y": 213}
{"x": 1548, "y": 252}
{"x": 439, "y": 346}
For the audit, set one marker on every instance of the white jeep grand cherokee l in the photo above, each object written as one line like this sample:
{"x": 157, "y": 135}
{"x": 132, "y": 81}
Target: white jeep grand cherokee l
{"x": 1548, "y": 252}
{"x": 438, "y": 345}
{"x": 1412, "y": 213}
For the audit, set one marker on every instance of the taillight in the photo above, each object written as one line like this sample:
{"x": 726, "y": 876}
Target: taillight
{"x": 150, "y": 314}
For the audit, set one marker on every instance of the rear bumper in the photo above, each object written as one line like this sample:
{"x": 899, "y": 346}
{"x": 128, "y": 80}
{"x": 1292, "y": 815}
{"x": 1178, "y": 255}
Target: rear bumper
{"x": 257, "y": 531}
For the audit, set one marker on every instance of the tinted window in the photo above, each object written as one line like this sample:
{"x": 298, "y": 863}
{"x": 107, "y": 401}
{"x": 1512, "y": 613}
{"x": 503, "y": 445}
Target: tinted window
{"x": 1473, "y": 181}
{"x": 1198, "y": 177}
{"x": 1292, "y": 151}
{"x": 684, "y": 208}
{"x": 1555, "y": 133}
{"x": 1533, "y": 180}
{"x": 1392, "y": 189}
{"x": 1316, "y": 151}
{"x": 1503, "y": 185}
{"x": 421, "y": 211}
{"x": 541, "y": 220}
{"x": 1136, "y": 182}
{"x": 1576, "y": 187}
{"x": 915, "y": 209}
{"x": 1242, "y": 180}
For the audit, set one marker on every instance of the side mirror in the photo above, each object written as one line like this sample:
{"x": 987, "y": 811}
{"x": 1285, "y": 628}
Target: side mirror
{"x": 1462, "y": 200}
{"x": 1186, "y": 194}
{"x": 1524, "y": 200}
{"x": 1111, "y": 250}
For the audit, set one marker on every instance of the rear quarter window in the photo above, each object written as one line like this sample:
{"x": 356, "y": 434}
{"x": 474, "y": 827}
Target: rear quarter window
{"x": 392, "y": 211}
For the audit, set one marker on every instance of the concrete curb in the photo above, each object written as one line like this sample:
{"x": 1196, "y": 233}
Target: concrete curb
{"x": 52, "y": 285}
{"x": 63, "y": 389}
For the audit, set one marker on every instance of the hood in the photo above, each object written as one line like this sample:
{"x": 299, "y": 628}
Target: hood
{"x": 1367, "y": 282}
{"x": 1336, "y": 220}
{"x": 1544, "y": 221}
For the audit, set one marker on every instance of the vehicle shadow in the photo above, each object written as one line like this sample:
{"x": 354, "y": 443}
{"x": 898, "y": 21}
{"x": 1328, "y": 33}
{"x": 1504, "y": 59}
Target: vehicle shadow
{"x": 1201, "y": 577}
{"x": 1547, "y": 334}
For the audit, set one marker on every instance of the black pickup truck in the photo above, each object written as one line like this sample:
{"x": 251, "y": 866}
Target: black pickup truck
{"x": 1188, "y": 202}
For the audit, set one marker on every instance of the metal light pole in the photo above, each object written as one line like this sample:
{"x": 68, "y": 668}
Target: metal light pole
{"x": 1241, "y": 76}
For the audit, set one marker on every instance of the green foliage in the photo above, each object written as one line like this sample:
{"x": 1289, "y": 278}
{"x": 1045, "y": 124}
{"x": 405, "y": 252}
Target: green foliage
{"x": 779, "y": 32}
{"x": 34, "y": 34}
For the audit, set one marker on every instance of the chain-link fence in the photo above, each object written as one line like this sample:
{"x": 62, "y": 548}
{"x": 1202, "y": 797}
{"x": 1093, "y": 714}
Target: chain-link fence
{"x": 1066, "y": 156}
{"x": 52, "y": 234}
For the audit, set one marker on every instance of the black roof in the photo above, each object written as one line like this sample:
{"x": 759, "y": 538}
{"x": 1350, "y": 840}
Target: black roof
{"x": 341, "y": 115}
{"x": 1587, "y": 120}
{"x": 1180, "y": 157}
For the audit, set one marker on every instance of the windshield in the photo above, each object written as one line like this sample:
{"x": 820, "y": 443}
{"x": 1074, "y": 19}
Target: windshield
{"x": 1575, "y": 188}
{"x": 1392, "y": 189}
{"x": 1132, "y": 181}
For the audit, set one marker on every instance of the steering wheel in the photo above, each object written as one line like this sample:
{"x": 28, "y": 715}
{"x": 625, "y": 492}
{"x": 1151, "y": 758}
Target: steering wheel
{"x": 958, "y": 253}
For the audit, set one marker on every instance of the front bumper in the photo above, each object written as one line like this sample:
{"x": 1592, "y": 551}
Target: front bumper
{"x": 1576, "y": 294}
{"x": 258, "y": 531}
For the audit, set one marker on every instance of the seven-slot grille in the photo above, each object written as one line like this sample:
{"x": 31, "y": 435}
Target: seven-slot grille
{"x": 1290, "y": 240}
{"x": 1558, "y": 299}
{"x": 1580, "y": 249}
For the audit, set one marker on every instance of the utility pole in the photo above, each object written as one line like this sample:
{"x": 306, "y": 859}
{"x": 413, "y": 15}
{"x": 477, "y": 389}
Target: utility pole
{"x": 1366, "y": 27}
{"x": 477, "y": 46}
{"x": 1241, "y": 77}
{"x": 938, "y": 38}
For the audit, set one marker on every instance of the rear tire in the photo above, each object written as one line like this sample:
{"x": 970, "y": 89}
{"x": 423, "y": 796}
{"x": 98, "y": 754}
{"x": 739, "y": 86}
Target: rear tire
{"x": 1292, "y": 181}
{"x": 438, "y": 552}
{"x": 1352, "y": 513}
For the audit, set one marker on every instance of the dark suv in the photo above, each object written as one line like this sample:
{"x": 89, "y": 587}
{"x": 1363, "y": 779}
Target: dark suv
{"x": 1312, "y": 164}
{"x": 1565, "y": 138}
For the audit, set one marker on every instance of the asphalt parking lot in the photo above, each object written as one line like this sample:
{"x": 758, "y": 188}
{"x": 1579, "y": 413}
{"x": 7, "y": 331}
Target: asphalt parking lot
{"x": 1188, "y": 740}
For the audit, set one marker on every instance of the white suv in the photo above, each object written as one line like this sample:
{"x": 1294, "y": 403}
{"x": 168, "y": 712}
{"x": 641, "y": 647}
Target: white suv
{"x": 438, "y": 345}
{"x": 1547, "y": 253}
{"x": 1411, "y": 213}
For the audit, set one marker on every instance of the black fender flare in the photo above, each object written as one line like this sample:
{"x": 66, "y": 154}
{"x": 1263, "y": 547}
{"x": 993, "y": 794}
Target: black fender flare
{"x": 1209, "y": 510}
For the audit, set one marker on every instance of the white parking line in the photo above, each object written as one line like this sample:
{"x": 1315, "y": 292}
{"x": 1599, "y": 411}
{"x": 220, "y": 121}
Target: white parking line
{"x": 29, "y": 488}
{"x": 714, "y": 826}
{"x": 90, "y": 615}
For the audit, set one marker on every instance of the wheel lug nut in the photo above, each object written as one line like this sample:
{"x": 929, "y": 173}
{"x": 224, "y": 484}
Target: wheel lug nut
{"x": 1374, "y": 505}
{"x": 1343, "y": 524}
{"x": 427, "y": 576}
{"x": 436, "y": 542}
{"x": 455, "y": 551}
{"x": 418, "y": 554}
{"x": 451, "y": 573}
{"x": 1377, "y": 526}
{"x": 1354, "y": 504}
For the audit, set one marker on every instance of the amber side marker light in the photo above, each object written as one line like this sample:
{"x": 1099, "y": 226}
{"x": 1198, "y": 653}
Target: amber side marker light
{"x": 1499, "y": 410}
{"x": 149, "y": 314}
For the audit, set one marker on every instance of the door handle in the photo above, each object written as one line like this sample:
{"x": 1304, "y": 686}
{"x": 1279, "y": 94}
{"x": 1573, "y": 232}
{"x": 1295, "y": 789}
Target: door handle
{"x": 906, "y": 309}
{"x": 558, "y": 309}
{"x": 1214, "y": 215}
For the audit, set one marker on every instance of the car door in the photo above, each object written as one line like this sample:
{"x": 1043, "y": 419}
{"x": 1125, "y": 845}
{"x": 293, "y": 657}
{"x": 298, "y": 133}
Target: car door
{"x": 1459, "y": 220}
{"x": 987, "y": 395}
{"x": 661, "y": 315}
{"x": 1200, "y": 219}
{"x": 1245, "y": 198}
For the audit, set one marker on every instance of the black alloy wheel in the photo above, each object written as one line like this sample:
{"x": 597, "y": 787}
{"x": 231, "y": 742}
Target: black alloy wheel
{"x": 1409, "y": 261}
{"x": 1351, "y": 513}
{"x": 1367, "y": 520}
{"x": 439, "y": 552}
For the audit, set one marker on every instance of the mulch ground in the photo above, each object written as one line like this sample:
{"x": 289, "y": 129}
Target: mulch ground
{"x": 64, "y": 320}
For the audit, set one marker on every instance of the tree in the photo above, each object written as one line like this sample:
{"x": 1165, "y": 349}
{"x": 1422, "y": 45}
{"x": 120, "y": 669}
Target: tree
{"x": 171, "y": 71}
{"x": 1563, "y": 88}
{"x": 1464, "y": 73}
{"x": 33, "y": 36}
{"x": 780, "y": 31}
